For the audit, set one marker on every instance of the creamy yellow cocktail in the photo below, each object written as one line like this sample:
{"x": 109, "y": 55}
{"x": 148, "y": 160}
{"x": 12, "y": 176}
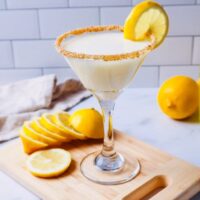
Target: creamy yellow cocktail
{"x": 100, "y": 75}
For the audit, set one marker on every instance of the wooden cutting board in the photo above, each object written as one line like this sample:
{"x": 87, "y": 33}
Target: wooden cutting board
{"x": 162, "y": 176}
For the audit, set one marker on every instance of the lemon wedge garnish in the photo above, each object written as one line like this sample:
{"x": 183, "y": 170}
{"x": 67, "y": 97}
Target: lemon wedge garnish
{"x": 147, "y": 19}
{"x": 48, "y": 163}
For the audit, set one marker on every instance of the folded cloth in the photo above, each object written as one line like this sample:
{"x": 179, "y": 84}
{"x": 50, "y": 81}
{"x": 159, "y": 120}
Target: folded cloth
{"x": 26, "y": 99}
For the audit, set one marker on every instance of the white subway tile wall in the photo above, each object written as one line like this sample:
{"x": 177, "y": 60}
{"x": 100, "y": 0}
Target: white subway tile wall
{"x": 36, "y": 53}
{"x": 171, "y": 2}
{"x": 54, "y": 22}
{"x": 173, "y": 51}
{"x": 18, "y": 24}
{"x": 168, "y": 71}
{"x": 184, "y": 20}
{"x": 113, "y": 15}
{"x": 61, "y": 73}
{"x": 12, "y": 75}
{"x": 18, "y": 4}
{"x": 94, "y": 3}
{"x": 146, "y": 77}
{"x": 6, "y": 59}
{"x": 196, "y": 52}
{"x": 28, "y": 30}
{"x": 2, "y": 4}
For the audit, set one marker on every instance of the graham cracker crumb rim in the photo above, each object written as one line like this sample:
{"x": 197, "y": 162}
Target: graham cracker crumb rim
{"x": 113, "y": 57}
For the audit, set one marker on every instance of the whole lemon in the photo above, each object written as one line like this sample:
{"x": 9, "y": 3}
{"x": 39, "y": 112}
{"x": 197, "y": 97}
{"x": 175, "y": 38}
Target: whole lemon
{"x": 88, "y": 122}
{"x": 178, "y": 97}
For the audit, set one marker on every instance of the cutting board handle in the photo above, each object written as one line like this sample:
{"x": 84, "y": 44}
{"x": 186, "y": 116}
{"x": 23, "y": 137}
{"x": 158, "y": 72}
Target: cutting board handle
{"x": 148, "y": 188}
{"x": 167, "y": 183}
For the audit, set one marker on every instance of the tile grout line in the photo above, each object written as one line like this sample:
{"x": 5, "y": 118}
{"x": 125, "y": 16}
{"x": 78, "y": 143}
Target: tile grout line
{"x": 145, "y": 66}
{"x": 29, "y": 68}
{"x": 192, "y": 51}
{"x": 181, "y": 4}
{"x": 128, "y": 5}
{"x": 53, "y": 38}
{"x": 158, "y": 84}
{"x": 6, "y": 5}
{"x": 67, "y": 67}
{"x": 42, "y": 71}
{"x": 38, "y": 22}
{"x": 99, "y": 13}
{"x": 68, "y": 4}
{"x": 178, "y": 65}
{"x": 104, "y": 6}
{"x": 12, "y": 55}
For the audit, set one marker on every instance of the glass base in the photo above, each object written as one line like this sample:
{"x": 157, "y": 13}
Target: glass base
{"x": 102, "y": 170}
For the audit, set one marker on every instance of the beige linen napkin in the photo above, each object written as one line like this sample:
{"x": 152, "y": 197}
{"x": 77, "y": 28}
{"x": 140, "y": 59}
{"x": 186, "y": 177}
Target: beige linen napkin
{"x": 26, "y": 99}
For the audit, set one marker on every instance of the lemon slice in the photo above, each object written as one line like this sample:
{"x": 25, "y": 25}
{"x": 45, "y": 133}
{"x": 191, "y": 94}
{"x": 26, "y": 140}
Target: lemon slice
{"x": 48, "y": 163}
{"x": 146, "y": 19}
{"x": 29, "y": 144}
{"x": 62, "y": 120}
{"x": 36, "y": 135}
{"x": 36, "y": 125}
{"x": 46, "y": 121}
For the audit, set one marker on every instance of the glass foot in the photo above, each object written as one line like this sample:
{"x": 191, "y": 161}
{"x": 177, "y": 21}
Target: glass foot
{"x": 109, "y": 171}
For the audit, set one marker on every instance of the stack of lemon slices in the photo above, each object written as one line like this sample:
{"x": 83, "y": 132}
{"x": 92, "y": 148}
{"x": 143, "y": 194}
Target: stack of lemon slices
{"x": 50, "y": 131}
{"x": 147, "y": 20}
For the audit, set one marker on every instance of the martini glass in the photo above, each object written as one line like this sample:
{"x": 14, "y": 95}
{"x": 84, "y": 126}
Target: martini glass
{"x": 105, "y": 63}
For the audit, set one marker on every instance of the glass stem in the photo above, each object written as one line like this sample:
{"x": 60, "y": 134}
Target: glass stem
{"x": 107, "y": 107}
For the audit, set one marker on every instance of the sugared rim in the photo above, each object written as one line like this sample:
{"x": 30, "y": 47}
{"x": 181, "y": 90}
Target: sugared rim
{"x": 113, "y": 57}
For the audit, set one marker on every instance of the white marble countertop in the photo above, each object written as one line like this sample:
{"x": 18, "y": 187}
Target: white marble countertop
{"x": 137, "y": 114}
